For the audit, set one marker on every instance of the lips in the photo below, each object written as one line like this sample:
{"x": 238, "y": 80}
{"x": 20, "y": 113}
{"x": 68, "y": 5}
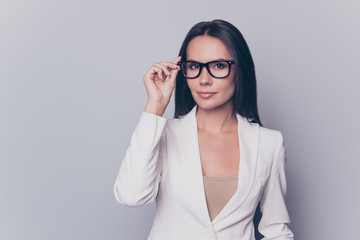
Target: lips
{"x": 206, "y": 94}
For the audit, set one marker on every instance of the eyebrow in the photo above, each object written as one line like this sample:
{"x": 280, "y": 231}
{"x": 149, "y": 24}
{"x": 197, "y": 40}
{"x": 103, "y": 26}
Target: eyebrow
{"x": 218, "y": 59}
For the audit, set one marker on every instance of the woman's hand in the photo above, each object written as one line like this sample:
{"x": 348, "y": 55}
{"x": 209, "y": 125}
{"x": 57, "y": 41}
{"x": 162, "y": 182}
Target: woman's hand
{"x": 158, "y": 88}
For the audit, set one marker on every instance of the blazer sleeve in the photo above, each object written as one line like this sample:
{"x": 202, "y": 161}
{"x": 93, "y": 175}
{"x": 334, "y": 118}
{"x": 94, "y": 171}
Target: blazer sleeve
{"x": 274, "y": 223}
{"x": 140, "y": 171}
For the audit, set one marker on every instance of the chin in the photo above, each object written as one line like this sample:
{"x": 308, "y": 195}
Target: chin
{"x": 210, "y": 105}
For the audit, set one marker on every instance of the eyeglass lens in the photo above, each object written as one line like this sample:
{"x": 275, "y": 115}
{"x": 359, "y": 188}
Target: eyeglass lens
{"x": 217, "y": 69}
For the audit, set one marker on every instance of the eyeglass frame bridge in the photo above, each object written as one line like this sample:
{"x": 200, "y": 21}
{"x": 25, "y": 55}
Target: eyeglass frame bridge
{"x": 206, "y": 65}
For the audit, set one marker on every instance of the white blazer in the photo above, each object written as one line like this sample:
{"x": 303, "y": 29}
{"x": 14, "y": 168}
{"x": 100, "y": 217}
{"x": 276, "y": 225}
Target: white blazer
{"x": 163, "y": 163}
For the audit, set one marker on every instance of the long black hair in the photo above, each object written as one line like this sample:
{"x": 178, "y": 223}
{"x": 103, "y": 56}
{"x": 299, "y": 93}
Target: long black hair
{"x": 244, "y": 98}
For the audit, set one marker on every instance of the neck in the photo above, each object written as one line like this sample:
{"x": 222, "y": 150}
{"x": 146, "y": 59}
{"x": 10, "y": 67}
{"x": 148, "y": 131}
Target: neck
{"x": 216, "y": 120}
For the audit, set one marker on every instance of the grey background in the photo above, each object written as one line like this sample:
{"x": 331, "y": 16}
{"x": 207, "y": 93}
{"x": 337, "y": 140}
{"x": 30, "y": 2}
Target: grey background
{"x": 71, "y": 93}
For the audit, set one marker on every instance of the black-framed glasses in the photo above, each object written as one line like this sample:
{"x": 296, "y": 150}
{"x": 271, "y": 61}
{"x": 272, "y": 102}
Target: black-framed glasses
{"x": 217, "y": 69}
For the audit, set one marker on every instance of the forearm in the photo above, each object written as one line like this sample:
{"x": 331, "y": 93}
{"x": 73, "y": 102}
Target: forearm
{"x": 140, "y": 171}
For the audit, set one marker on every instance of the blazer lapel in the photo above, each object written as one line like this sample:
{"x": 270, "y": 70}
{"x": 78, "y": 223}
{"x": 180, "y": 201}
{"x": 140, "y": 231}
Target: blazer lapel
{"x": 192, "y": 162}
{"x": 248, "y": 143}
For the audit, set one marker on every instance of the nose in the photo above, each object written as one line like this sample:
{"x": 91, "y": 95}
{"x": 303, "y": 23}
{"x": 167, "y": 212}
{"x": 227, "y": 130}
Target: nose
{"x": 205, "y": 77}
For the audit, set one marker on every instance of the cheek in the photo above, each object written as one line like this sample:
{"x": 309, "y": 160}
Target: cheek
{"x": 232, "y": 77}
{"x": 190, "y": 84}
{"x": 232, "y": 86}
{"x": 229, "y": 88}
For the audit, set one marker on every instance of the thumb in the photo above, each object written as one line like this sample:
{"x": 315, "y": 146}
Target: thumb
{"x": 173, "y": 75}
{"x": 174, "y": 72}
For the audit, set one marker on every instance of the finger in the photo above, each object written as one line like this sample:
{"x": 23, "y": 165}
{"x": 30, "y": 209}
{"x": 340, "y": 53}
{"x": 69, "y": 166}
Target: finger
{"x": 173, "y": 64}
{"x": 164, "y": 68}
{"x": 177, "y": 60}
{"x": 169, "y": 65}
{"x": 153, "y": 72}
{"x": 158, "y": 71}
{"x": 173, "y": 75}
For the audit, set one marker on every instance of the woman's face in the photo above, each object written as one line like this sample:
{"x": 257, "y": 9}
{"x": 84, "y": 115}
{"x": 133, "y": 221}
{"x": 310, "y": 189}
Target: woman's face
{"x": 220, "y": 91}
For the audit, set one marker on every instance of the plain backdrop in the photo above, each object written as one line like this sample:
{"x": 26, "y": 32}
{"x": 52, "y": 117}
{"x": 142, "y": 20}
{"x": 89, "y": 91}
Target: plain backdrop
{"x": 71, "y": 93}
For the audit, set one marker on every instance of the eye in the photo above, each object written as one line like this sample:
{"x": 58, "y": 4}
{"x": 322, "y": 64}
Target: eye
{"x": 219, "y": 65}
{"x": 193, "y": 66}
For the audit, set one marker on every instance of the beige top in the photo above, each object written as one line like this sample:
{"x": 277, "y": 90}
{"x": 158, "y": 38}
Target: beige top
{"x": 218, "y": 192}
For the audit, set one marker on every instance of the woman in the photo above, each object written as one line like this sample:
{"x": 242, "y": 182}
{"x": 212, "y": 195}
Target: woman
{"x": 209, "y": 166}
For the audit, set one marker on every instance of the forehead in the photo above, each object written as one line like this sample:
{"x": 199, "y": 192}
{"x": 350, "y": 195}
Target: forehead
{"x": 206, "y": 48}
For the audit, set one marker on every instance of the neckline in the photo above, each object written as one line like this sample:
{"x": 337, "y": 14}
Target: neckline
{"x": 248, "y": 135}
{"x": 221, "y": 178}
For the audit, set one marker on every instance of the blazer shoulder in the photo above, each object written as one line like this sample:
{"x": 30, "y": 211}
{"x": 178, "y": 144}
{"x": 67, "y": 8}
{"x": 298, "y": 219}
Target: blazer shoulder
{"x": 272, "y": 149}
{"x": 270, "y": 132}
{"x": 271, "y": 136}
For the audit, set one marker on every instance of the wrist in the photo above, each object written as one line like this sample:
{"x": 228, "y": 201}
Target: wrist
{"x": 155, "y": 108}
